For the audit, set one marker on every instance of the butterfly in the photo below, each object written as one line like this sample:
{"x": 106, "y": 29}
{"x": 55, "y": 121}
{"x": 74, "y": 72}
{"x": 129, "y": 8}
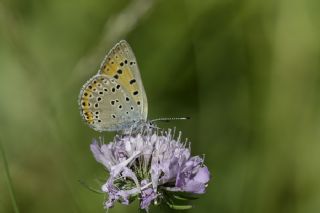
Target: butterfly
{"x": 114, "y": 99}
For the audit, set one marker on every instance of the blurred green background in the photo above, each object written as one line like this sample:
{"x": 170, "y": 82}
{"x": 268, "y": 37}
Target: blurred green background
{"x": 246, "y": 71}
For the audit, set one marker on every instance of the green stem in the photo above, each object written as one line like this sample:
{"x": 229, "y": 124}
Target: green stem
{"x": 8, "y": 180}
{"x": 142, "y": 211}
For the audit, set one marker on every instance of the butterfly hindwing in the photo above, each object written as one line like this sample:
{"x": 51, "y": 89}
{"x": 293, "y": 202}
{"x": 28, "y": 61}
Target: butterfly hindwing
{"x": 105, "y": 106}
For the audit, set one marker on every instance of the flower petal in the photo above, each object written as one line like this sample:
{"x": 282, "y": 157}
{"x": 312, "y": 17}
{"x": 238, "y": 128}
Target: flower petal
{"x": 99, "y": 156}
{"x": 203, "y": 175}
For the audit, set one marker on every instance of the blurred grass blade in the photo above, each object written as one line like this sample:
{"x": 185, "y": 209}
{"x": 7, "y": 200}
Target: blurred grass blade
{"x": 8, "y": 179}
{"x": 90, "y": 188}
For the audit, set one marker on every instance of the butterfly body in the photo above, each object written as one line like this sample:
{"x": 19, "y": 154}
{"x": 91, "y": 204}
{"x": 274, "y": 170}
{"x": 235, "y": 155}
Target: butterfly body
{"x": 114, "y": 99}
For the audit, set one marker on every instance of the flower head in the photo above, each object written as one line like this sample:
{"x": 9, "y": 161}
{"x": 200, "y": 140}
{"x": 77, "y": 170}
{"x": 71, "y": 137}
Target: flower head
{"x": 149, "y": 166}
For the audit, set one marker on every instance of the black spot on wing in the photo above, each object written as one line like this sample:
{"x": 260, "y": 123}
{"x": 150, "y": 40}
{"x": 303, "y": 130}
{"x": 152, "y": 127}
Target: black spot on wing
{"x": 132, "y": 81}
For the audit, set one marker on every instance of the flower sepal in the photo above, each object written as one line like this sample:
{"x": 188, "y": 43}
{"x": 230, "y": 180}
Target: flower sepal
{"x": 179, "y": 200}
{"x": 179, "y": 207}
{"x": 187, "y": 196}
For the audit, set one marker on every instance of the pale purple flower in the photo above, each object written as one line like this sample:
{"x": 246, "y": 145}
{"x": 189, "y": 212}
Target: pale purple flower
{"x": 149, "y": 166}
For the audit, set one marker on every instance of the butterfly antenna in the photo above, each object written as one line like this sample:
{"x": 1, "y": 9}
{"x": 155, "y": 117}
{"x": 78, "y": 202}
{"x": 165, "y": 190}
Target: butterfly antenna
{"x": 169, "y": 119}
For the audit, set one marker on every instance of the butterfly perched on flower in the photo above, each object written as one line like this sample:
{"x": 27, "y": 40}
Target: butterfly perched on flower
{"x": 114, "y": 99}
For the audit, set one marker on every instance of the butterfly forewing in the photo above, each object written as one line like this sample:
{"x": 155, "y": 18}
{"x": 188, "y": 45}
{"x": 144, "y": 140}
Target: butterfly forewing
{"x": 121, "y": 64}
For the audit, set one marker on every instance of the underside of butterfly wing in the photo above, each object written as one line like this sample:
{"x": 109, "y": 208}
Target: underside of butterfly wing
{"x": 121, "y": 65}
{"x": 105, "y": 106}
